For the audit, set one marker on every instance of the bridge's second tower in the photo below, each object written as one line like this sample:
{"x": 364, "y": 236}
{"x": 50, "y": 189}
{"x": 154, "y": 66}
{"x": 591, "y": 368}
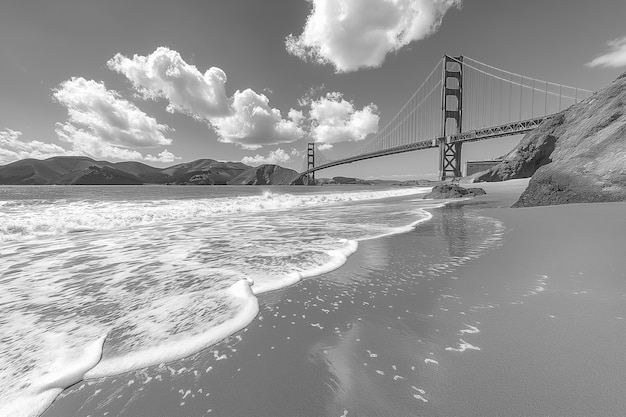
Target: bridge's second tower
{"x": 452, "y": 110}
{"x": 310, "y": 163}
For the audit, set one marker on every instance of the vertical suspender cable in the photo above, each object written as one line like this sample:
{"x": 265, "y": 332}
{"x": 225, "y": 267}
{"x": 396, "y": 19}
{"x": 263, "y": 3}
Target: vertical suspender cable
{"x": 491, "y": 100}
{"x": 521, "y": 92}
{"x": 510, "y": 95}
{"x": 485, "y": 102}
{"x": 500, "y": 98}
{"x": 532, "y": 105}
{"x": 545, "y": 106}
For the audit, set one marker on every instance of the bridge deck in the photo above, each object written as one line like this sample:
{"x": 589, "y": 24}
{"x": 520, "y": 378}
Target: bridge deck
{"x": 507, "y": 129}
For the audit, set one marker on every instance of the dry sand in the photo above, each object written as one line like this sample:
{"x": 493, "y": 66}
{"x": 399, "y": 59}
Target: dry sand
{"x": 478, "y": 312}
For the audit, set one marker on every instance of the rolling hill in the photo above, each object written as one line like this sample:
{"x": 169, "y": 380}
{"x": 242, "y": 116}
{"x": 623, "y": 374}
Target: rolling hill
{"x": 85, "y": 170}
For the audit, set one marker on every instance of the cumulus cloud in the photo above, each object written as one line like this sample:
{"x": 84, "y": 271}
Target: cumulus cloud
{"x": 165, "y": 74}
{"x": 334, "y": 119}
{"x": 165, "y": 156}
{"x": 245, "y": 119}
{"x": 277, "y": 157}
{"x": 253, "y": 123}
{"x": 614, "y": 57}
{"x": 353, "y": 34}
{"x": 102, "y": 124}
{"x": 296, "y": 116}
{"x": 13, "y": 148}
{"x": 309, "y": 96}
{"x": 324, "y": 146}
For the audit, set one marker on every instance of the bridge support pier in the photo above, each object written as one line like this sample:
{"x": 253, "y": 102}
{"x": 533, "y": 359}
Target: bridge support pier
{"x": 449, "y": 159}
{"x": 310, "y": 177}
{"x": 452, "y": 110}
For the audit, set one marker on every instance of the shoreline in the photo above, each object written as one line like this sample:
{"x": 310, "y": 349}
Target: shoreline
{"x": 380, "y": 335}
{"x": 108, "y": 366}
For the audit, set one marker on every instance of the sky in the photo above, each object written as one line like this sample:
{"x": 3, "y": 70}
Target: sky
{"x": 165, "y": 82}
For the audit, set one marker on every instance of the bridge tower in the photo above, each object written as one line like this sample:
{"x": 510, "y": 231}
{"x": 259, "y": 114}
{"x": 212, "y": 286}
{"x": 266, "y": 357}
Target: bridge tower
{"x": 452, "y": 86}
{"x": 310, "y": 163}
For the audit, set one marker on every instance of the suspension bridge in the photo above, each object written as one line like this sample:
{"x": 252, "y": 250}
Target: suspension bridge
{"x": 462, "y": 100}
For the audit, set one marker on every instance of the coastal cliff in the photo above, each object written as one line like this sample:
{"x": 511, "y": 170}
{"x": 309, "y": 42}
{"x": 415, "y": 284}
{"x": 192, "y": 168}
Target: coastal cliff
{"x": 576, "y": 157}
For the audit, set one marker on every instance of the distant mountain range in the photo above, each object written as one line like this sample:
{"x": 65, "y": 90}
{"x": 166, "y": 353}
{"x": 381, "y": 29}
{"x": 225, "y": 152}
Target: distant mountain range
{"x": 82, "y": 170}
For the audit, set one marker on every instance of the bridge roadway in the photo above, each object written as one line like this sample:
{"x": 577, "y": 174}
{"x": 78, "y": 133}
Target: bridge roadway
{"x": 507, "y": 129}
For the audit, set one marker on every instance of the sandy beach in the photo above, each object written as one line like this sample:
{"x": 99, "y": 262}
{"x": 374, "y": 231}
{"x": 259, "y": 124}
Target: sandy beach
{"x": 481, "y": 311}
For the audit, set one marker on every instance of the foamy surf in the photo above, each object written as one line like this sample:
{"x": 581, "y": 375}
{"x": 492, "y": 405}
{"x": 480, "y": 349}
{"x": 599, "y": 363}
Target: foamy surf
{"x": 29, "y": 219}
{"x": 187, "y": 345}
{"x": 70, "y": 369}
{"x": 337, "y": 258}
{"x": 41, "y": 386}
{"x": 162, "y": 279}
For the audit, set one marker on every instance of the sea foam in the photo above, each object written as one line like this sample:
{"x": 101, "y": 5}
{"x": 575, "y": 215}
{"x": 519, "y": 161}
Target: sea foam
{"x": 337, "y": 257}
{"x": 27, "y": 219}
{"x": 168, "y": 351}
{"x": 43, "y": 384}
{"x": 161, "y": 279}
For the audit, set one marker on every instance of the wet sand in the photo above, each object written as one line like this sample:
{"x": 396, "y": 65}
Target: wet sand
{"x": 478, "y": 312}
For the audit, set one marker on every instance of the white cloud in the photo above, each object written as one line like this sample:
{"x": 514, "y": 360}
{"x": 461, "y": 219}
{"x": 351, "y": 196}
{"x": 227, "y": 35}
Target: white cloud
{"x": 165, "y": 156}
{"x": 102, "y": 124}
{"x": 277, "y": 157}
{"x": 13, "y": 148}
{"x": 245, "y": 119}
{"x": 296, "y": 116}
{"x": 309, "y": 96}
{"x": 335, "y": 119}
{"x": 352, "y": 34}
{"x": 254, "y": 123}
{"x": 614, "y": 57}
{"x": 324, "y": 146}
{"x": 165, "y": 74}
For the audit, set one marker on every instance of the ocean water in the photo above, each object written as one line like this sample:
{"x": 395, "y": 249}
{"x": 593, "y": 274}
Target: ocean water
{"x": 97, "y": 281}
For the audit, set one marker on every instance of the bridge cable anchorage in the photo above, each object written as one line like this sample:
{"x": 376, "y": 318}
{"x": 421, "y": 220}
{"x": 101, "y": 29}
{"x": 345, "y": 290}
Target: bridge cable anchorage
{"x": 477, "y": 102}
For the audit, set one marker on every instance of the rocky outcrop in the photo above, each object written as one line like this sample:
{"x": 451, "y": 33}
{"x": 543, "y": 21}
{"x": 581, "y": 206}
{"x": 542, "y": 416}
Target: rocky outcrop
{"x": 445, "y": 191}
{"x": 577, "y": 156}
{"x": 265, "y": 175}
{"x": 533, "y": 152}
